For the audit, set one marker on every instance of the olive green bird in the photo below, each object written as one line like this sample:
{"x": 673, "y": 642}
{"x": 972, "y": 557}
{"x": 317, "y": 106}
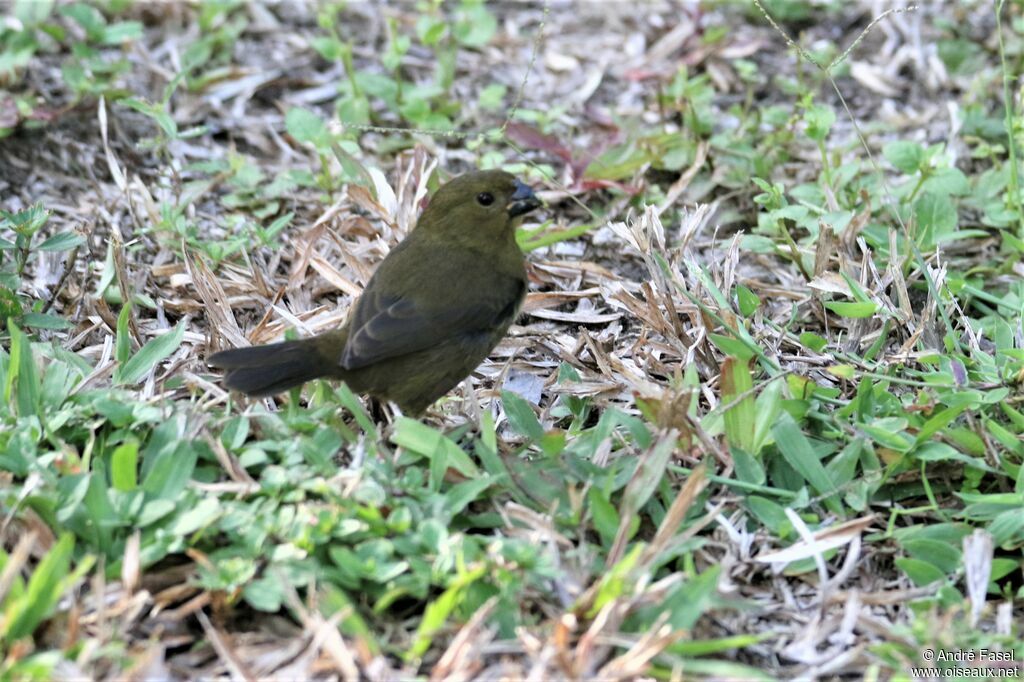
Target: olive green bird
{"x": 432, "y": 311}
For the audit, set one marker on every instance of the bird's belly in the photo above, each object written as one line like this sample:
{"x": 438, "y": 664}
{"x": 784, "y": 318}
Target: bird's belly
{"x": 416, "y": 380}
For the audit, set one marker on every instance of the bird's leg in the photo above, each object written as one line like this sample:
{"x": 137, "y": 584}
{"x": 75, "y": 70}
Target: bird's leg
{"x": 382, "y": 412}
{"x": 474, "y": 404}
{"x": 376, "y": 410}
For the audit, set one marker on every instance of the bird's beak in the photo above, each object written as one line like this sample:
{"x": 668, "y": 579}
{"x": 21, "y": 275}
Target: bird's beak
{"x": 523, "y": 200}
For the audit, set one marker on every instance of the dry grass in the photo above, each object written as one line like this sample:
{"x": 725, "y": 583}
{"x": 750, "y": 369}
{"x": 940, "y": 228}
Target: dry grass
{"x": 636, "y": 302}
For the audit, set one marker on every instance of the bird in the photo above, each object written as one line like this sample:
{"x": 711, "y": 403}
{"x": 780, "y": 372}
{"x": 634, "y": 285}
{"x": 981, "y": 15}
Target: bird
{"x": 432, "y": 311}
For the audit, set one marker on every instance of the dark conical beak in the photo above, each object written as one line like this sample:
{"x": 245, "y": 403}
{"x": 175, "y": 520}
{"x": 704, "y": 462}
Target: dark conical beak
{"x": 523, "y": 200}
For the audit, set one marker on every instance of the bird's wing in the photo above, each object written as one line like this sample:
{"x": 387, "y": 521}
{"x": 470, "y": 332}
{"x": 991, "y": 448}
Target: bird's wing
{"x": 387, "y": 326}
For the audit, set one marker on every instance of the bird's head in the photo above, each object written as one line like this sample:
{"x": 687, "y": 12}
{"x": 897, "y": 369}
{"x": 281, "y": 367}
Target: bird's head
{"x": 479, "y": 204}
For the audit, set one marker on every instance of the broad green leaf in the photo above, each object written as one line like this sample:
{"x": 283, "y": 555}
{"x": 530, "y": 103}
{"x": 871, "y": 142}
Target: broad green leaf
{"x": 921, "y": 573}
{"x": 437, "y": 612}
{"x": 22, "y": 379}
{"x": 950, "y": 181}
{"x": 32, "y": 12}
{"x": 813, "y": 341}
{"x": 1008, "y": 527}
{"x": 149, "y": 355}
{"x": 737, "y": 390}
{"x": 62, "y": 241}
{"x": 235, "y": 432}
{"x": 616, "y": 582}
{"x": 819, "y": 119}
{"x": 476, "y": 26}
{"x": 905, "y": 156}
{"x": 746, "y": 300}
{"x": 940, "y": 554}
{"x": 771, "y": 514}
{"x": 693, "y": 598}
{"x": 604, "y": 515}
{"x": 461, "y": 494}
{"x": 89, "y": 18}
{"x": 732, "y": 346}
{"x": 23, "y": 616}
{"x": 852, "y": 310}
{"x": 748, "y": 467}
{"x": 766, "y": 410}
{"x": 197, "y": 517}
{"x": 797, "y": 451}
{"x": 122, "y": 341}
{"x": 265, "y": 594}
{"x": 305, "y": 126}
{"x": 432, "y": 444}
{"x": 123, "y": 466}
{"x": 521, "y": 416}
{"x": 168, "y": 470}
{"x": 492, "y": 96}
{"x": 121, "y": 32}
{"x": 45, "y": 321}
{"x": 936, "y": 219}
{"x": 647, "y": 476}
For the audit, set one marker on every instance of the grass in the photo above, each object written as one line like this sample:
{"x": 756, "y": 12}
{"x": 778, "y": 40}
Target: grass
{"x": 761, "y": 416}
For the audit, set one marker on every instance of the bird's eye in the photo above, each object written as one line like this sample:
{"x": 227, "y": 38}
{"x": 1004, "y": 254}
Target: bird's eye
{"x": 485, "y": 198}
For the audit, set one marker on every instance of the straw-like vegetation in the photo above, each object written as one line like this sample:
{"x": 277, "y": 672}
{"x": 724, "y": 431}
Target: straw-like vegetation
{"x": 760, "y": 417}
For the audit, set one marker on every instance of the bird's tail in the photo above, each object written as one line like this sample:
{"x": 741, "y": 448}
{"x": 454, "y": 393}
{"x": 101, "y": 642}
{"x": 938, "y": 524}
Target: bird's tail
{"x": 260, "y": 371}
